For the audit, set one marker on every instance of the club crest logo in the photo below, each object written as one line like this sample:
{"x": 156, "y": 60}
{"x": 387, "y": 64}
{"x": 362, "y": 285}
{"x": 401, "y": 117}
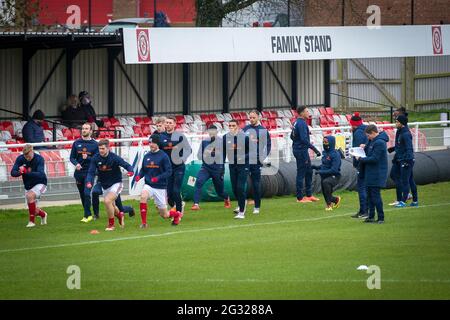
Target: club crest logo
{"x": 143, "y": 45}
{"x": 437, "y": 40}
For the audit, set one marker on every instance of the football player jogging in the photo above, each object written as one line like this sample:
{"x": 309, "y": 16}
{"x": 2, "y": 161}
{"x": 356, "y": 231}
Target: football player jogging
{"x": 107, "y": 165}
{"x": 212, "y": 154}
{"x": 260, "y": 146}
{"x": 236, "y": 144}
{"x": 176, "y": 146}
{"x": 97, "y": 191}
{"x": 156, "y": 169}
{"x": 30, "y": 166}
{"x": 83, "y": 149}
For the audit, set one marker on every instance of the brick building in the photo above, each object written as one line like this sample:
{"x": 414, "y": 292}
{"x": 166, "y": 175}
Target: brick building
{"x": 393, "y": 12}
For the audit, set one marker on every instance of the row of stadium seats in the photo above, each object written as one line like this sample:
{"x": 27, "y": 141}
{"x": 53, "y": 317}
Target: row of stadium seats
{"x": 131, "y": 127}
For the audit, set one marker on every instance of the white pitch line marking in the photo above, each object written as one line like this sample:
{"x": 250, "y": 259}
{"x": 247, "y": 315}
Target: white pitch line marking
{"x": 206, "y": 229}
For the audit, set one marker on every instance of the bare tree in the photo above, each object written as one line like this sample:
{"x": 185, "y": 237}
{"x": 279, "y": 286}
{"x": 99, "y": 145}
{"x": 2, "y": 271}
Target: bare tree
{"x": 19, "y": 14}
{"x": 211, "y": 12}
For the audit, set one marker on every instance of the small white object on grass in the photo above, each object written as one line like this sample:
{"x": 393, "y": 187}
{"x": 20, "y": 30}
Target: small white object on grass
{"x": 362, "y": 267}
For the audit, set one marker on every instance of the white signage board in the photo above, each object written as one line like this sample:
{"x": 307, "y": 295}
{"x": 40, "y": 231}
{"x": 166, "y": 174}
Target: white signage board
{"x": 190, "y": 45}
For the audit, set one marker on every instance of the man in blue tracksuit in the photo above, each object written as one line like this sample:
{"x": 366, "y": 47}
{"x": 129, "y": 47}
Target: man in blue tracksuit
{"x": 31, "y": 166}
{"x": 359, "y": 138}
{"x": 300, "y": 145}
{"x": 156, "y": 170}
{"x": 236, "y": 144}
{"x": 260, "y": 146}
{"x": 176, "y": 146}
{"x": 83, "y": 150}
{"x": 375, "y": 170}
{"x": 330, "y": 172}
{"x": 32, "y": 131}
{"x": 107, "y": 166}
{"x": 403, "y": 163}
{"x": 212, "y": 154}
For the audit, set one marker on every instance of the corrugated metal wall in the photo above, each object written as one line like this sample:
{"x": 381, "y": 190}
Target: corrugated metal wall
{"x": 10, "y": 81}
{"x": 383, "y": 68}
{"x": 126, "y": 100}
{"x": 90, "y": 73}
{"x": 52, "y": 98}
{"x": 168, "y": 88}
{"x": 433, "y": 88}
{"x": 427, "y": 65}
{"x": 391, "y": 69}
{"x": 310, "y": 84}
{"x": 380, "y": 68}
{"x": 272, "y": 94}
{"x": 206, "y": 87}
{"x": 245, "y": 95}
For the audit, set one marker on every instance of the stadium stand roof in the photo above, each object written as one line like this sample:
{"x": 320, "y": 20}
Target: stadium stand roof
{"x": 52, "y": 40}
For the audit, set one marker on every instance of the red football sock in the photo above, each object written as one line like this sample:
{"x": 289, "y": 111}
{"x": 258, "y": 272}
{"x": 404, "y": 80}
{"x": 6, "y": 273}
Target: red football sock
{"x": 40, "y": 212}
{"x": 143, "y": 207}
{"x": 32, "y": 210}
{"x": 173, "y": 213}
{"x": 111, "y": 222}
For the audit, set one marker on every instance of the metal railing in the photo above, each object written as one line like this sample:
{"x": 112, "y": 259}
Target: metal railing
{"x": 60, "y": 170}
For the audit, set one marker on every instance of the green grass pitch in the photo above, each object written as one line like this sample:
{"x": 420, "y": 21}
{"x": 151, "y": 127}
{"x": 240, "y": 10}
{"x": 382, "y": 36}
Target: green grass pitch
{"x": 289, "y": 251}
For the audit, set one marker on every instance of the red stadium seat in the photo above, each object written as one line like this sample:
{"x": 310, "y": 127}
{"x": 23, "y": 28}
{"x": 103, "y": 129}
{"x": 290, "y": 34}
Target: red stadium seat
{"x": 272, "y": 124}
{"x": 137, "y": 130}
{"x": 138, "y": 120}
{"x": 265, "y": 114}
{"x": 49, "y": 163}
{"x": 323, "y": 120}
{"x": 45, "y": 125}
{"x": 243, "y": 115}
{"x": 147, "y": 121}
{"x": 213, "y": 118}
{"x": 146, "y": 131}
{"x": 329, "y": 110}
{"x": 322, "y": 111}
{"x": 204, "y": 117}
{"x": 76, "y": 133}
{"x": 242, "y": 124}
{"x": 236, "y": 115}
{"x": 106, "y": 122}
{"x": 67, "y": 133}
{"x": 273, "y": 114}
{"x": 7, "y": 126}
{"x": 180, "y": 119}
{"x": 114, "y": 122}
{"x": 294, "y": 113}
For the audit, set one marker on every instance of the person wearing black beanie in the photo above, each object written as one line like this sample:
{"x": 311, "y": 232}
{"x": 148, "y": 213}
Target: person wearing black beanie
{"x": 403, "y": 163}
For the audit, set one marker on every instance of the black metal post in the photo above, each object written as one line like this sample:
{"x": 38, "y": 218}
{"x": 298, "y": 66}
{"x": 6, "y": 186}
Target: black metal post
{"x": 26, "y": 57}
{"x": 225, "y": 78}
{"x": 259, "y": 85}
{"x": 112, "y": 54}
{"x": 326, "y": 83}
{"x": 186, "y": 89}
{"x": 90, "y": 15}
{"x": 154, "y": 12}
{"x": 294, "y": 85}
{"x": 150, "y": 91}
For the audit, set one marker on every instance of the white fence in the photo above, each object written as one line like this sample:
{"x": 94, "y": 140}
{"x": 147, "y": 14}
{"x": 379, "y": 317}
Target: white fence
{"x": 426, "y": 136}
